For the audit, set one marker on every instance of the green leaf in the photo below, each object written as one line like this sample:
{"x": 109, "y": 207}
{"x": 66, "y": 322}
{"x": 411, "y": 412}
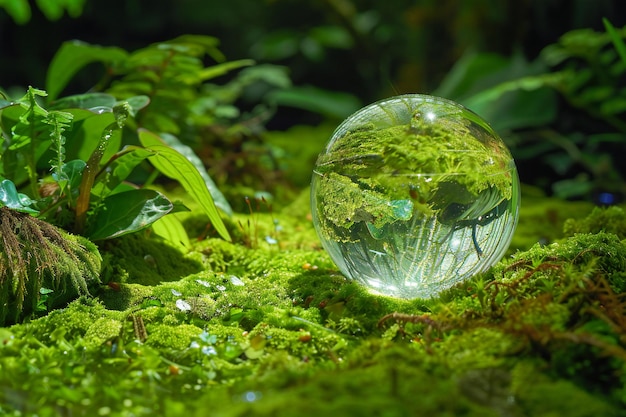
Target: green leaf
{"x": 218, "y": 70}
{"x": 176, "y": 166}
{"x": 53, "y": 10}
{"x": 218, "y": 197}
{"x": 71, "y": 174}
{"x": 72, "y": 57}
{"x": 171, "y": 229}
{"x": 9, "y": 197}
{"x": 84, "y": 101}
{"x": 120, "y": 167}
{"x": 18, "y": 9}
{"x": 127, "y": 212}
{"x": 504, "y": 91}
{"x": 85, "y": 136}
{"x": 617, "y": 39}
{"x": 31, "y": 121}
{"x": 513, "y": 104}
{"x": 137, "y": 103}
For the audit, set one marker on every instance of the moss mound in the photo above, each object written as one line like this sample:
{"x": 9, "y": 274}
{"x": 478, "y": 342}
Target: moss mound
{"x": 267, "y": 326}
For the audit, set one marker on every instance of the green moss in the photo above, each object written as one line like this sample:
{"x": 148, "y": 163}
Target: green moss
{"x": 609, "y": 220}
{"x": 101, "y": 331}
{"x": 542, "y": 396}
{"x": 260, "y": 331}
{"x": 144, "y": 260}
{"x": 393, "y": 383}
{"x": 172, "y": 337}
{"x": 123, "y": 296}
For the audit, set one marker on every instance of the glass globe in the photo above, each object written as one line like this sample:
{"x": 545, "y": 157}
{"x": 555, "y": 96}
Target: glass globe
{"x": 414, "y": 194}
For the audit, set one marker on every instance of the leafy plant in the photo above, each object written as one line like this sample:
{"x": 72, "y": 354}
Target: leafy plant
{"x": 187, "y": 109}
{"x": 87, "y": 133}
{"x": 20, "y": 10}
{"x": 67, "y": 162}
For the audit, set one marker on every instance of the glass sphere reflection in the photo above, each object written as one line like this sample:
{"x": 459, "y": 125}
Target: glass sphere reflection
{"x": 414, "y": 194}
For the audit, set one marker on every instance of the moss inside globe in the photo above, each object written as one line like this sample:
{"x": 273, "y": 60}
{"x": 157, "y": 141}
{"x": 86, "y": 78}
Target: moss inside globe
{"x": 414, "y": 194}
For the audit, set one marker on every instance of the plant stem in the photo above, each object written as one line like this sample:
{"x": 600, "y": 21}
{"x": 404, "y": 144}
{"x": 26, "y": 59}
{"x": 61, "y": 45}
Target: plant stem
{"x": 89, "y": 174}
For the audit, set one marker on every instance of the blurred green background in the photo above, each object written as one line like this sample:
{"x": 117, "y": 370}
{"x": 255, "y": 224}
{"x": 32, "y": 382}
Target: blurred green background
{"x": 544, "y": 73}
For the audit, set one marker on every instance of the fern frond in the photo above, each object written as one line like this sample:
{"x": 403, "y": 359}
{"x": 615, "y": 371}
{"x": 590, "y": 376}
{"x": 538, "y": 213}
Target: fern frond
{"x": 59, "y": 122}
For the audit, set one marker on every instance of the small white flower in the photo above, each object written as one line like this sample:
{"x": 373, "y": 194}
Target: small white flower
{"x": 176, "y": 293}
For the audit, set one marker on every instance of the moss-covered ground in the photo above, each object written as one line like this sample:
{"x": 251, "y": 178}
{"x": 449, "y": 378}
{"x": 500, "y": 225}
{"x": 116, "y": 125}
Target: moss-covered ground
{"x": 266, "y": 326}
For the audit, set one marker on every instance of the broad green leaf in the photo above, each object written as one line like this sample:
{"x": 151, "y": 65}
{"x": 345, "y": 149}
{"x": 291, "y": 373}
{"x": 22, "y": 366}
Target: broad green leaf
{"x": 83, "y": 138}
{"x": 176, "y": 166}
{"x": 84, "y": 101}
{"x": 171, "y": 229}
{"x": 86, "y": 133}
{"x": 72, "y": 57}
{"x": 11, "y": 114}
{"x": 9, "y": 197}
{"x": 514, "y": 104}
{"x": 218, "y": 197}
{"x": 127, "y": 212}
{"x": 71, "y": 172}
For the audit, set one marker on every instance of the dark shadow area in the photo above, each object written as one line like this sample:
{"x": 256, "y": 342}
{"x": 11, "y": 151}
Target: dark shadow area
{"x": 140, "y": 259}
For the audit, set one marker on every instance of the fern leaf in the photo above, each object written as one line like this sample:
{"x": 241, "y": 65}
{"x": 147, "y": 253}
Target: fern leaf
{"x": 59, "y": 122}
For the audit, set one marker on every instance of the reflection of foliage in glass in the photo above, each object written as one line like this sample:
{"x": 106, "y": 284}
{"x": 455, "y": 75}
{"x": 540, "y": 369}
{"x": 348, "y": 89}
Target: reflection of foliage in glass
{"x": 439, "y": 158}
